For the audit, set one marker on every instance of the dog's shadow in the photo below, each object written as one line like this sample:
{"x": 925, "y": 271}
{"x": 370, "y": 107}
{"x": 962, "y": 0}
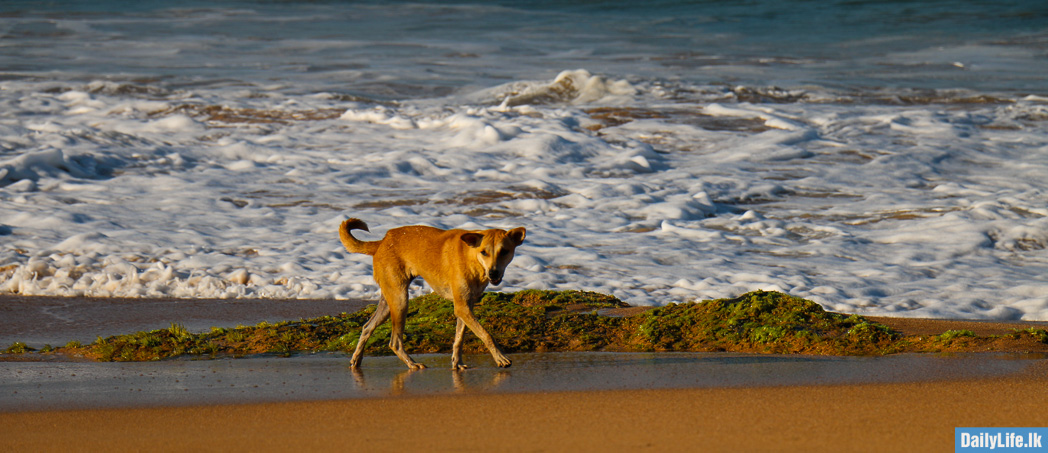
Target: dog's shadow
{"x": 430, "y": 381}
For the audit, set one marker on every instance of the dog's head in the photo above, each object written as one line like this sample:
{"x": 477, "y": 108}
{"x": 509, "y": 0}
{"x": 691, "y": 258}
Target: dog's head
{"x": 494, "y": 250}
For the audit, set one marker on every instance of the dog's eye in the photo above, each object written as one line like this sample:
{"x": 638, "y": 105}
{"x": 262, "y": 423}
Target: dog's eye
{"x": 504, "y": 252}
{"x": 483, "y": 253}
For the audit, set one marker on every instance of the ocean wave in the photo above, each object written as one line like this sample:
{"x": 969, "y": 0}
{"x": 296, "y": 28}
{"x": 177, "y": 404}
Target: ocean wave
{"x": 569, "y": 87}
{"x": 655, "y": 191}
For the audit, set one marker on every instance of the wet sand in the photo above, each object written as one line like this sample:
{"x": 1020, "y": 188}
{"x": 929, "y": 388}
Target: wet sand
{"x": 585, "y": 402}
{"x": 33, "y": 386}
{"x": 864, "y": 417}
{"x": 39, "y": 320}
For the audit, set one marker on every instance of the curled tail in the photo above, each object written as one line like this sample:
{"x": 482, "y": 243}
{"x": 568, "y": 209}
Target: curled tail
{"x": 352, "y": 244}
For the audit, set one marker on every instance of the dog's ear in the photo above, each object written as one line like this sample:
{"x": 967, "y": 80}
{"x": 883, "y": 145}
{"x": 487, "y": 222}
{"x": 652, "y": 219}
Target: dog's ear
{"x": 473, "y": 239}
{"x": 517, "y": 235}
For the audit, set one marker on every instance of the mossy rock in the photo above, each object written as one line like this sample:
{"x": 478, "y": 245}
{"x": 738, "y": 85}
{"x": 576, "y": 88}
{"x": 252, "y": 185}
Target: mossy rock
{"x": 536, "y": 321}
{"x": 760, "y": 321}
{"x": 18, "y": 347}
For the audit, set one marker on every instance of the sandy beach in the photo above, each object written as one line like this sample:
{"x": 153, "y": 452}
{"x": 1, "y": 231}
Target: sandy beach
{"x": 769, "y": 407}
{"x": 173, "y": 177}
{"x": 876, "y": 417}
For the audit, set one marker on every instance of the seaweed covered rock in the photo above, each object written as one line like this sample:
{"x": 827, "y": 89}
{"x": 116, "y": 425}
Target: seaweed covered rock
{"x": 760, "y": 321}
{"x": 537, "y": 321}
{"x": 530, "y": 320}
{"x": 525, "y": 321}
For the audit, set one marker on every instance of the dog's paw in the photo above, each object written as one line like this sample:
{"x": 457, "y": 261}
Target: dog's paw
{"x": 460, "y": 367}
{"x": 416, "y": 366}
{"x": 502, "y": 362}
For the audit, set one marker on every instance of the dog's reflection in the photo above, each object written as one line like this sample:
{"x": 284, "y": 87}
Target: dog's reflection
{"x": 400, "y": 383}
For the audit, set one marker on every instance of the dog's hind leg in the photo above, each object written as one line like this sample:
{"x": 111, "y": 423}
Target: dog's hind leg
{"x": 398, "y": 313}
{"x": 380, "y": 316}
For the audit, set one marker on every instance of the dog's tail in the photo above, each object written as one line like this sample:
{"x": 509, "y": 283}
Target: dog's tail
{"x": 352, "y": 244}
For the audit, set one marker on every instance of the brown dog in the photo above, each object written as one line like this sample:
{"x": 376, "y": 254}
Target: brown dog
{"x": 457, "y": 264}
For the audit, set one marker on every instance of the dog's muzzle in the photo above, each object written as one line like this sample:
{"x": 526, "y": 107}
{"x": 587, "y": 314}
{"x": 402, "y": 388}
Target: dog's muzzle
{"x": 495, "y": 277}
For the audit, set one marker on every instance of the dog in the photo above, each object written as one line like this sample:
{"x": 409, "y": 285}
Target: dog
{"x": 457, "y": 264}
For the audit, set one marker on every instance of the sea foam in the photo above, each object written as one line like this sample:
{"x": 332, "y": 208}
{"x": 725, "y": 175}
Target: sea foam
{"x": 142, "y": 155}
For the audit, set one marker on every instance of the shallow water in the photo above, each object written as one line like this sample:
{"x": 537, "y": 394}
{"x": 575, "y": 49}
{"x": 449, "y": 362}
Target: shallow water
{"x": 40, "y": 321}
{"x": 38, "y": 386}
{"x": 882, "y": 159}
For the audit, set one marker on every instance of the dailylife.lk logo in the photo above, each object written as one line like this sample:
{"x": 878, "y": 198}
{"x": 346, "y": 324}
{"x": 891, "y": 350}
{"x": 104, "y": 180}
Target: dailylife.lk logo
{"x": 1000, "y": 439}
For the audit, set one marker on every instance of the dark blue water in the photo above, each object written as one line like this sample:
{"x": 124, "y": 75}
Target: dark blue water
{"x": 392, "y": 50}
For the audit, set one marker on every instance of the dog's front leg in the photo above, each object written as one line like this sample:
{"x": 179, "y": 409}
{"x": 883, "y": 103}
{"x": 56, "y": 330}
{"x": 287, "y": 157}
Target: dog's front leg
{"x": 396, "y": 343}
{"x": 456, "y": 347}
{"x": 465, "y": 315}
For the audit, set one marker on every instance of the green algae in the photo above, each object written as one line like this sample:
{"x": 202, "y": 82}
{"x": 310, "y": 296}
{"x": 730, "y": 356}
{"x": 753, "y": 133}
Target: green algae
{"x": 950, "y": 335}
{"x": 1038, "y": 334}
{"x": 767, "y": 322}
{"x": 18, "y": 348}
{"x": 540, "y": 321}
{"x": 525, "y": 321}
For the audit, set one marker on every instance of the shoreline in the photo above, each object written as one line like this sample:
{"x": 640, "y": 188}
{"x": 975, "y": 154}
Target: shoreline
{"x": 50, "y": 386}
{"x": 39, "y": 320}
{"x": 917, "y": 416}
{"x": 917, "y": 411}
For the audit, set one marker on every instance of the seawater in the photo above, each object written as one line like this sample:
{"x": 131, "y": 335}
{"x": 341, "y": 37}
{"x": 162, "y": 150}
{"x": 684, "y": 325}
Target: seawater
{"x": 258, "y": 379}
{"x": 878, "y": 158}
